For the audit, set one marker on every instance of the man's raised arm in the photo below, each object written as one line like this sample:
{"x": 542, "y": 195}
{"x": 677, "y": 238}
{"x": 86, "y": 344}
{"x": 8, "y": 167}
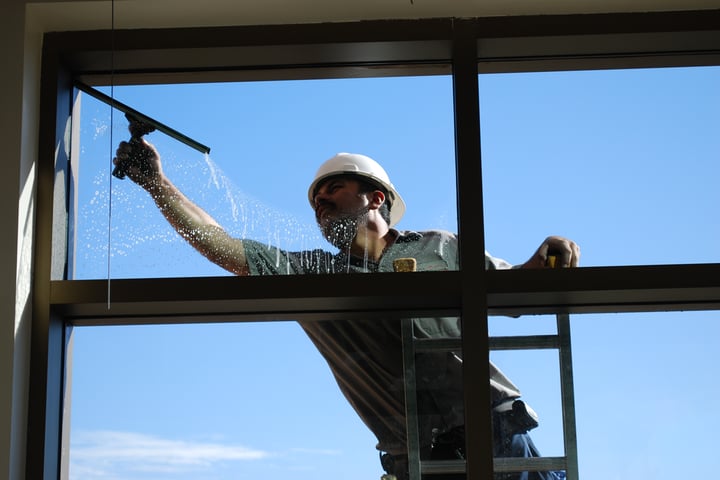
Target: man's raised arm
{"x": 141, "y": 162}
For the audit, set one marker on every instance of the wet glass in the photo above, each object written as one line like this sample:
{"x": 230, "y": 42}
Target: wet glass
{"x": 267, "y": 140}
{"x": 624, "y": 162}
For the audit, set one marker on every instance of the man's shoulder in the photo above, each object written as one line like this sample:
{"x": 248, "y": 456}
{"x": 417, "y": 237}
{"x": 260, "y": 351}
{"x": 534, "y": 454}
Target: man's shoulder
{"x": 434, "y": 250}
{"x": 412, "y": 235}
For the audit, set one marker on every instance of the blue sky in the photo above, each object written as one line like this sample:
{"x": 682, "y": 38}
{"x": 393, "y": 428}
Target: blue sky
{"x": 623, "y": 162}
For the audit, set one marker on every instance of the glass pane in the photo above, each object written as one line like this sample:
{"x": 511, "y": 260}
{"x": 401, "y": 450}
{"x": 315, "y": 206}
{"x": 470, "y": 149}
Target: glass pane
{"x": 624, "y": 162}
{"x": 251, "y": 400}
{"x": 241, "y": 400}
{"x": 522, "y": 383}
{"x": 530, "y": 422}
{"x": 522, "y": 325}
{"x": 267, "y": 140}
{"x": 644, "y": 389}
{"x": 645, "y": 386}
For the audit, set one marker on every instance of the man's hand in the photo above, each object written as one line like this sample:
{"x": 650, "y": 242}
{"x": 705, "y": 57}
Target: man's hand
{"x": 555, "y": 252}
{"x": 140, "y": 161}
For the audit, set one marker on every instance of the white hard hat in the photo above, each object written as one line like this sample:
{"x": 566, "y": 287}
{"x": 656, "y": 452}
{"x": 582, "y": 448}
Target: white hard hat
{"x": 363, "y": 166}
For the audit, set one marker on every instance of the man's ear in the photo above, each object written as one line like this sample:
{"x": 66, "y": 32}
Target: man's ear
{"x": 377, "y": 198}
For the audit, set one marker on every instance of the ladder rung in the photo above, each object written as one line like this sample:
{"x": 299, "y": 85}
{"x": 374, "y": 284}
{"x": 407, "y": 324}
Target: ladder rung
{"x": 529, "y": 464}
{"x": 519, "y": 342}
{"x": 522, "y": 342}
{"x": 501, "y": 464}
{"x": 435, "y": 467}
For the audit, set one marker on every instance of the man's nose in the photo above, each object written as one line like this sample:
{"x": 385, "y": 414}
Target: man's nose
{"x": 319, "y": 198}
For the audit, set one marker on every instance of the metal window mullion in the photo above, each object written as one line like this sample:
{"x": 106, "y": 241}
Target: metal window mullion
{"x": 473, "y": 289}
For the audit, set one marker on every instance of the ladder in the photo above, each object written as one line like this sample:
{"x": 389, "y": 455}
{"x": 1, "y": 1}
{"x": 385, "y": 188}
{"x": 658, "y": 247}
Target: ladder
{"x": 421, "y": 469}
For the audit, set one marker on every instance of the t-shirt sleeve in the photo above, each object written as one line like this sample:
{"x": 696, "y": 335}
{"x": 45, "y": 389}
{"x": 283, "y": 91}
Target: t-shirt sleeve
{"x": 494, "y": 263}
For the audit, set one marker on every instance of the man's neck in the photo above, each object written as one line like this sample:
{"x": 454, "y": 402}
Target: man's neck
{"x": 372, "y": 243}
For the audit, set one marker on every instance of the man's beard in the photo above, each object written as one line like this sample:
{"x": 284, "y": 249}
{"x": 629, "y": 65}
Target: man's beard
{"x": 342, "y": 231}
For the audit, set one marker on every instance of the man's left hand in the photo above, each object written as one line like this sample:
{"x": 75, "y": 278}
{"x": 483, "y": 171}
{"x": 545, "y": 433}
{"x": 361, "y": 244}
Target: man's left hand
{"x": 555, "y": 252}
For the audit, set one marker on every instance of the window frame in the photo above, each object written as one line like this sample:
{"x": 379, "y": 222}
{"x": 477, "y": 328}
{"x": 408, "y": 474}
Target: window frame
{"x": 463, "y": 47}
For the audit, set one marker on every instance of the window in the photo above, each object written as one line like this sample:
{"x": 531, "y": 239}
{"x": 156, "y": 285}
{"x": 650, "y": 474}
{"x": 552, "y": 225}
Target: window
{"x": 367, "y": 50}
{"x": 188, "y": 401}
{"x": 267, "y": 141}
{"x": 621, "y": 160}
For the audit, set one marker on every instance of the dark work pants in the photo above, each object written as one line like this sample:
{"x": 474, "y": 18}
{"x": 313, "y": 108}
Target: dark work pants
{"x": 510, "y": 441}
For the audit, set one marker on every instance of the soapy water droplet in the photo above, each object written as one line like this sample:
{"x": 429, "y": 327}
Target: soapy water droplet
{"x": 100, "y": 128}
{"x": 143, "y": 244}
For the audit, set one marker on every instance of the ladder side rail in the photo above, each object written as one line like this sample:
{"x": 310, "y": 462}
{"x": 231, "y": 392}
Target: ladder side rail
{"x": 567, "y": 388}
{"x": 560, "y": 341}
{"x": 411, "y": 406}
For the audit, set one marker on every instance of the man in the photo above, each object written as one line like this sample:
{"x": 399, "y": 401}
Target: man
{"x": 356, "y": 207}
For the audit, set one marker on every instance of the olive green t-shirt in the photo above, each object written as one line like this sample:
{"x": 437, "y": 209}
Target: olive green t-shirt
{"x": 365, "y": 356}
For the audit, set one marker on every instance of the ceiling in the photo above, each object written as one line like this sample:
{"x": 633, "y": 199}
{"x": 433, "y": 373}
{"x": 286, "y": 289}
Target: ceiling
{"x": 49, "y": 15}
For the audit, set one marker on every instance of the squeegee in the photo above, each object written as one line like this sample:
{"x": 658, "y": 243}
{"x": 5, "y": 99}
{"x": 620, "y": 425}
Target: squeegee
{"x": 141, "y": 124}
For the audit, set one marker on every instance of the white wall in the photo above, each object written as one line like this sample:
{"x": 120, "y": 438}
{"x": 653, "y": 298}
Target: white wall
{"x": 17, "y": 136}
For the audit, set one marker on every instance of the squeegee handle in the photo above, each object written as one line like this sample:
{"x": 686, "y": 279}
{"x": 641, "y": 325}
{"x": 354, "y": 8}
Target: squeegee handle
{"x": 138, "y": 129}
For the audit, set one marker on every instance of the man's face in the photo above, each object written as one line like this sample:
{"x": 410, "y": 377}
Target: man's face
{"x": 340, "y": 208}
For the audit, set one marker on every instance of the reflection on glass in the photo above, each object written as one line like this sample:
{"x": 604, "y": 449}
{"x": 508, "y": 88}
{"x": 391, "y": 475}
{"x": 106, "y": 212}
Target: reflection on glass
{"x": 624, "y": 162}
{"x": 268, "y": 140}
